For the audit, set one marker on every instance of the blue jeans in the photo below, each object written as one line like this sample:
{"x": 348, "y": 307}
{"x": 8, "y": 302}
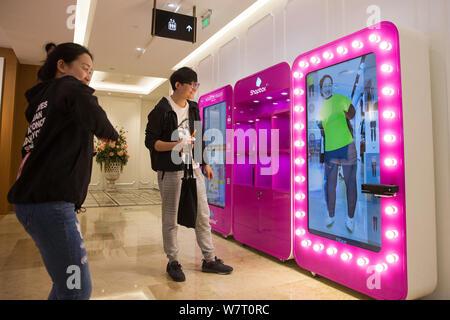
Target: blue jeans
{"x": 345, "y": 157}
{"x": 56, "y": 232}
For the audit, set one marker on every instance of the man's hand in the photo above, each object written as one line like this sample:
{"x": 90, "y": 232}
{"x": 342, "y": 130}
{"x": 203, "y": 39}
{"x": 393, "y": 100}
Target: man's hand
{"x": 209, "y": 173}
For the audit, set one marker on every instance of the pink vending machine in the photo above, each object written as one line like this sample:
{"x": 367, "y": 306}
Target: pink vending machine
{"x": 363, "y": 176}
{"x": 262, "y": 164}
{"x": 216, "y": 114}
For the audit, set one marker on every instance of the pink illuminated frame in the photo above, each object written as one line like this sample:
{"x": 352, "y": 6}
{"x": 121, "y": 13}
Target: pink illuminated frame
{"x": 222, "y": 217}
{"x": 383, "y": 274}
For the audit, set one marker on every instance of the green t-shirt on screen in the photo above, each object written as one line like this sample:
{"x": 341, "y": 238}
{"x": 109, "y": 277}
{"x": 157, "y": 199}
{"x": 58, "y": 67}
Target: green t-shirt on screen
{"x": 337, "y": 133}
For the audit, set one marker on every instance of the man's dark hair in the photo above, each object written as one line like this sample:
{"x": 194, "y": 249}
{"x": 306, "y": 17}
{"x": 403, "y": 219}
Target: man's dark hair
{"x": 183, "y": 75}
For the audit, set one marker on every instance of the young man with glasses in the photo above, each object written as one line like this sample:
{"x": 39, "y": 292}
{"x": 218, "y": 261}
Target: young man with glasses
{"x": 171, "y": 124}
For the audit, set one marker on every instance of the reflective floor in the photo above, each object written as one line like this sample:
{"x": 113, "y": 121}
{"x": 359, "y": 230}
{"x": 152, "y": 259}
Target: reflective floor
{"x": 127, "y": 261}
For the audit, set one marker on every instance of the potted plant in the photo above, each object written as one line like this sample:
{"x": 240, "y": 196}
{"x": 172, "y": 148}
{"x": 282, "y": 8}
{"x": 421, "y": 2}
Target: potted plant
{"x": 112, "y": 157}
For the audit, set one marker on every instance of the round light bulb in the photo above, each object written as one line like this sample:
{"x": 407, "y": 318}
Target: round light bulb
{"x": 299, "y": 161}
{"x": 357, "y": 44}
{"x": 381, "y": 267}
{"x": 388, "y": 91}
{"x": 391, "y": 234}
{"x": 300, "y": 214}
{"x": 388, "y": 114}
{"x": 342, "y": 50}
{"x": 346, "y": 256}
{"x": 331, "y": 251}
{"x": 389, "y": 138}
{"x": 300, "y": 232}
{"x": 385, "y": 45}
{"x": 315, "y": 60}
{"x": 318, "y": 247}
{"x": 328, "y": 55}
{"x": 374, "y": 38}
{"x": 390, "y": 162}
{"x": 299, "y": 196}
{"x": 363, "y": 262}
{"x": 392, "y": 258}
{"x": 303, "y": 64}
{"x": 387, "y": 68}
{"x": 390, "y": 210}
{"x": 306, "y": 243}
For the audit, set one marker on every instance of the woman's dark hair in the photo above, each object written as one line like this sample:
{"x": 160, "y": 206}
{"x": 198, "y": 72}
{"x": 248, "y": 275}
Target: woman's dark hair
{"x": 323, "y": 80}
{"x": 68, "y": 52}
{"x": 49, "y": 46}
{"x": 183, "y": 75}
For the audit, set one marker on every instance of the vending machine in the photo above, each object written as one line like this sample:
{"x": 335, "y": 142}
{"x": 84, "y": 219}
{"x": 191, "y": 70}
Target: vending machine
{"x": 262, "y": 163}
{"x": 216, "y": 114}
{"x": 363, "y": 168}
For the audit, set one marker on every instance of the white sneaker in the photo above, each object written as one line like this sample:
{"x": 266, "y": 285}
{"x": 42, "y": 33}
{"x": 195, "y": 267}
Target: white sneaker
{"x": 350, "y": 224}
{"x": 329, "y": 221}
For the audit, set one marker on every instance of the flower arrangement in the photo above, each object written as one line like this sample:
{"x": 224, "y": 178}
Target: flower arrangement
{"x": 113, "y": 151}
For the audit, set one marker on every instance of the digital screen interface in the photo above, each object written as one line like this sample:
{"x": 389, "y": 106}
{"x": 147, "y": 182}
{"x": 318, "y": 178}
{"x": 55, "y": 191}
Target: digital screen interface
{"x": 214, "y": 117}
{"x": 344, "y": 152}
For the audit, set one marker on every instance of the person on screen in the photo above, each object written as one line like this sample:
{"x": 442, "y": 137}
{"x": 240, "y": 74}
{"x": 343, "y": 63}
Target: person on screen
{"x": 53, "y": 178}
{"x": 176, "y": 114}
{"x": 340, "y": 149}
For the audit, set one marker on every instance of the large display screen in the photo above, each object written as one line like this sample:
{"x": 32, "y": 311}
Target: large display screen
{"x": 214, "y": 117}
{"x": 344, "y": 152}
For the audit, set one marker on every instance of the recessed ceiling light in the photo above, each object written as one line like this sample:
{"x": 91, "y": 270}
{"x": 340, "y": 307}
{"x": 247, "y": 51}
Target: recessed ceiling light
{"x": 143, "y": 86}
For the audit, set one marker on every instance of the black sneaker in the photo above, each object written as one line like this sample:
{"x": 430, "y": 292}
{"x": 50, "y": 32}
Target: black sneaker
{"x": 175, "y": 272}
{"x": 216, "y": 266}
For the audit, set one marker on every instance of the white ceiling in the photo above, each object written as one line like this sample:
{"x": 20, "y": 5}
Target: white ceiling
{"x": 119, "y": 27}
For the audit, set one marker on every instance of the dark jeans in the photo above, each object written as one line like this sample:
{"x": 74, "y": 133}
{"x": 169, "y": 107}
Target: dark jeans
{"x": 346, "y": 157}
{"x": 56, "y": 232}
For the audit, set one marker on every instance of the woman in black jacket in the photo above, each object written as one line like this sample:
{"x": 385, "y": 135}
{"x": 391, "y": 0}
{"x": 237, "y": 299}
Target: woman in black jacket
{"x": 54, "y": 175}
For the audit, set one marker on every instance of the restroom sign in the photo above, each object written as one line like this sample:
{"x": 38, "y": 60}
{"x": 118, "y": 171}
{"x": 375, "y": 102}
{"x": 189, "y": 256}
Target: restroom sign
{"x": 173, "y": 25}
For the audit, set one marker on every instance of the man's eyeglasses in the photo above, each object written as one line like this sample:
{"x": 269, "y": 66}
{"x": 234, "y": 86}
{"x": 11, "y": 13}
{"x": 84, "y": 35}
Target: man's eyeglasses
{"x": 194, "y": 85}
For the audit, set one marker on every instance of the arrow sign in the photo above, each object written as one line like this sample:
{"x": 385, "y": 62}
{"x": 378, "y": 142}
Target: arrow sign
{"x": 189, "y": 28}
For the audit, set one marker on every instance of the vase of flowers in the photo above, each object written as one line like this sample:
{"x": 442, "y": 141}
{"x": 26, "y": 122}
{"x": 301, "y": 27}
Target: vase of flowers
{"x": 112, "y": 157}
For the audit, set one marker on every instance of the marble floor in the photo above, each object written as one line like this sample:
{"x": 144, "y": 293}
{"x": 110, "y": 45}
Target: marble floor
{"x": 127, "y": 262}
